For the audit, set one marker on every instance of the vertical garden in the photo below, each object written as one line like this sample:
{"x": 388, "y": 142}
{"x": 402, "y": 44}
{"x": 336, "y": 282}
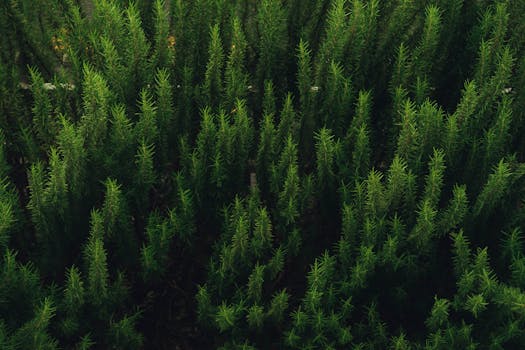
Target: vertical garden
{"x": 262, "y": 174}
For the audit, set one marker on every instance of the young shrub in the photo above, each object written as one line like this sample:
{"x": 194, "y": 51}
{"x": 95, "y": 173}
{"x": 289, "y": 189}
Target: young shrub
{"x": 213, "y": 81}
{"x": 235, "y": 75}
{"x": 273, "y": 41}
{"x": 123, "y": 333}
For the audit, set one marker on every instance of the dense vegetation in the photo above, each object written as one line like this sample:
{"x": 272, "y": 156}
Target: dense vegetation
{"x": 273, "y": 174}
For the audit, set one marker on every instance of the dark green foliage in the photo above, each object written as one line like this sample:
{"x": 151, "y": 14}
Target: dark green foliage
{"x": 273, "y": 41}
{"x": 235, "y": 75}
{"x": 321, "y": 174}
{"x": 213, "y": 85}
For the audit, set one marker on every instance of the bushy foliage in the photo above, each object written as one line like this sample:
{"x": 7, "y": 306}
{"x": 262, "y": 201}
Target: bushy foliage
{"x": 275, "y": 174}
